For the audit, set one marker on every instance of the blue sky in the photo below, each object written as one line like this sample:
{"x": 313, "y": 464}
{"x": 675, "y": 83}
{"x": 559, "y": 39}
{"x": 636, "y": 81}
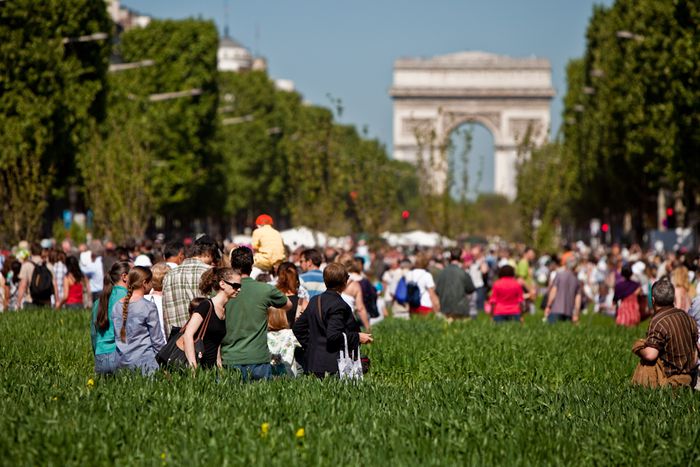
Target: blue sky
{"x": 347, "y": 48}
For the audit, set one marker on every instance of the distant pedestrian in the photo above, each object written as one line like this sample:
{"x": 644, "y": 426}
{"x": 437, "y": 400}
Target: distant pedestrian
{"x": 627, "y": 298}
{"x": 564, "y": 297}
{"x": 420, "y": 279}
{"x": 159, "y": 270}
{"x": 74, "y": 285}
{"x": 681, "y": 283}
{"x": 506, "y": 296}
{"x": 454, "y": 288}
{"x": 92, "y": 267}
{"x": 312, "y": 277}
{"x": 268, "y": 247}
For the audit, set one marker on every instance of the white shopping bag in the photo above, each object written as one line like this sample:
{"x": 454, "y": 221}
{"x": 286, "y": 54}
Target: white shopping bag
{"x": 349, "y": 368}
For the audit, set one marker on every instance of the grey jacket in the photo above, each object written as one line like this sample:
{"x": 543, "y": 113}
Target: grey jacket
{"x": 144, "y": 337}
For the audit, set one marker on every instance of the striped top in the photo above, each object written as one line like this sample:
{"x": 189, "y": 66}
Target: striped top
{"x": 674, "y": 334}
{"x": 312, "y": 281}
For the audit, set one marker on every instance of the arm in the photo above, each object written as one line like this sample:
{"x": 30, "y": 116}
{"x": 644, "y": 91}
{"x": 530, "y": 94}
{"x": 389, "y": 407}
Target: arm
{"x": 20, "y": 292}
{"x": 577, "y": 307}
{"x": 57, "y": 305}
{"x": 301, "y": 329}
{"x": 434, "y": 299}
{"x": 64, "y": 299}
{"x": 469, "y": 284}
{"x": 335, "y": 327}
{"x": 648, "y": 353}
{"x": 190, "y": 330}
{"x": 154, "y": 331}
{"x": 219, "y": 363}
{"x": 360, "y": 305}
{"x": 550, "y": 299}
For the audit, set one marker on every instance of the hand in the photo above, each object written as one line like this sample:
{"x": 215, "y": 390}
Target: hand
{"x": 366, "y": 338}
{"x": 547, "y": 311}
{"x": 574, "y": 319}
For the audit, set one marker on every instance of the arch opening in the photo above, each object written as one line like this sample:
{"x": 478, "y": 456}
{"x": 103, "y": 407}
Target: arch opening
{"x": 471, "y": 160}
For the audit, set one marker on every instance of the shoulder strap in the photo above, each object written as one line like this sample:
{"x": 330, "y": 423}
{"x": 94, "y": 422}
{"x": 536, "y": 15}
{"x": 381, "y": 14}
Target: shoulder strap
{"x": 318, "y": 305}
{"x": 205, "y": 325}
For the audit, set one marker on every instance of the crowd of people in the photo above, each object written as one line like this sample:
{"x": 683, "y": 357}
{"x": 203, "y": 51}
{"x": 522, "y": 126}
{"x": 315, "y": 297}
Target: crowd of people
{"x": 267, "y": 311}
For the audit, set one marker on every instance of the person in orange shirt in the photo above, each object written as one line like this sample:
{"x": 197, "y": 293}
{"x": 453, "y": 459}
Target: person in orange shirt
{"x": 268, "y": 247}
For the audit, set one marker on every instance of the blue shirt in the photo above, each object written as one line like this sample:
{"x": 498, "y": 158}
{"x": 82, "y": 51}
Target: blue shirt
{"x": 103, "y": 341}
{"x": 143, "y": 339}
{"x": 313, "y": 282}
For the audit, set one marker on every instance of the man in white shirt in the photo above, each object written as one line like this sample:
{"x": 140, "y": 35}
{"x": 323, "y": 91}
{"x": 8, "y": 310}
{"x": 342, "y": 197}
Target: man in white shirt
{"x": 93, "y": 269}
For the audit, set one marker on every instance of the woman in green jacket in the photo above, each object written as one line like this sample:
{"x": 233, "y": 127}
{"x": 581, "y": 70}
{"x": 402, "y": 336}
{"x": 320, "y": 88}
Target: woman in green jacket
{"x": 101, "y": 330}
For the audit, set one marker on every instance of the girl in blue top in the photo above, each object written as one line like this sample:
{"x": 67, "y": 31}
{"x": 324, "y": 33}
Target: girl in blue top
{"x": 101, "y": 330}
{"x": 137, "y": 331}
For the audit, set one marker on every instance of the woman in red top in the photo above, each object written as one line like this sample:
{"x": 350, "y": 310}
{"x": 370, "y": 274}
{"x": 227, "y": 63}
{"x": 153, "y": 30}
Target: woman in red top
{"x": 73, "y": 285}
{"x": 506, "y": 296}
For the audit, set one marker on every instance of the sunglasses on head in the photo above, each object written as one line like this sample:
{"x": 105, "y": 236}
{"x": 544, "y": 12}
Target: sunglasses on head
{"x": 234, "y": 285}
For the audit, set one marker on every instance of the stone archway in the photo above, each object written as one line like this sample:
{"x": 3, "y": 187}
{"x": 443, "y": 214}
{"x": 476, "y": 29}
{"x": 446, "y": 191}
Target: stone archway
{"x": 507, "y": 95}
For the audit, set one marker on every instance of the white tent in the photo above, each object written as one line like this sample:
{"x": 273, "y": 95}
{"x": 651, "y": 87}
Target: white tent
{"x": 417, "y": 238}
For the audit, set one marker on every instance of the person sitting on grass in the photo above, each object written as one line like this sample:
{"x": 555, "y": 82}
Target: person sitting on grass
{"x": 101, "y": 329}
{"x": 669, "y": 353}
{"x": 137, "y": 331}
{"x": 226, "y": 283}
{"x": 282, "y": 343}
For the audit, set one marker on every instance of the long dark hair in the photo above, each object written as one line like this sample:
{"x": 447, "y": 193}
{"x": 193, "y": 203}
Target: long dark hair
{"x": 111, "y": 278}
{"x": 73, "y": 267}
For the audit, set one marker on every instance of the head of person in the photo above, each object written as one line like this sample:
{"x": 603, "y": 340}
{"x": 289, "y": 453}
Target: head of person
{"x": 35, "y": 249}
{"x": 571, "y": 263}
{"x": 224, "y": 280}
{"x": 529, "y": 254}
{"x": 679, "y": 277}
{"x": 310, "y": 259}
{"x": 276, "y": 319}
{"x": 174, "y": 252}
{"x": 194, "y": 304}
{"x": 206, "y": 250}
{"x": 506, "y": 271}
{"x": 335, "y": 276}
{"x": 626, "y": 271}
{"x": 455, "y": 254}
{"x": 351, "y": 264}
{"x": 116, "y": 276}
{"x": 242, "y": 260}
{"x": 263, "y": 219}
{"x": 139, "y": 279}
{"x": 73, "y": 267}
{"x": 663, "y": 293}
{"x": 288, "y": 278}
{"x": 422, "y": 260}
{"x": 159, "y": 271}
{"x": 96, "y": 249}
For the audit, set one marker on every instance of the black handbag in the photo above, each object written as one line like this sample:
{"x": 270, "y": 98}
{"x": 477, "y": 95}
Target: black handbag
{"x": 173, "y": 352}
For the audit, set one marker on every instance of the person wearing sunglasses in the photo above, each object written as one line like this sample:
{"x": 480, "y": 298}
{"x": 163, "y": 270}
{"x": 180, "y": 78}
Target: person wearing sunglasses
{"x": 226, "y": 284}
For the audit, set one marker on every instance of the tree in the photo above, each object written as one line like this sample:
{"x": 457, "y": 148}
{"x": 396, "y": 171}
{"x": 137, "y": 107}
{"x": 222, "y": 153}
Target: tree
{"x": 52, "y": 91}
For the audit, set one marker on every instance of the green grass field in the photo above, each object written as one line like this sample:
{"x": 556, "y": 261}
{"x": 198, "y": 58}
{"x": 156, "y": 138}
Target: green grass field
{"x": 469, "y": 393}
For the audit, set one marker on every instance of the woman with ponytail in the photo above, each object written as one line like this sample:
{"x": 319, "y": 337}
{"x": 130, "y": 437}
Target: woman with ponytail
{"x": 226, "y": 283}
{"x": 101, "y": 330}
{"x": 137, "y": 331}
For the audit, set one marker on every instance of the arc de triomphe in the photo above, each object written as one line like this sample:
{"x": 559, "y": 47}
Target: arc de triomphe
{"x": 507, "y": 95}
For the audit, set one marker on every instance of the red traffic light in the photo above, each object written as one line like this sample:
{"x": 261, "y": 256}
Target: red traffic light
{"x": 669, "y": 212}
{"x": 605, "y": 227}
{"x": 405, "y": 215}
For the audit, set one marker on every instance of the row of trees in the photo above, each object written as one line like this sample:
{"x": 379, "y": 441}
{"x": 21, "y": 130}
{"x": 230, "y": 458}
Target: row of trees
{"x": 172, "y": 143}
{"x": 631, "y": 123}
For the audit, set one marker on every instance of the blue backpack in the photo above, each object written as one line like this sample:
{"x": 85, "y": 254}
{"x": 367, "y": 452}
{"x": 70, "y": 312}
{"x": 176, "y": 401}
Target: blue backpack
{"x": 401, "y": 294}
{"x": 413, "y": 294}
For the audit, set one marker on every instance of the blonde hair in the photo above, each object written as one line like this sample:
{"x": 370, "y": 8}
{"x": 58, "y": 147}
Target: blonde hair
{"x": 351, "y": 263}
{"x": 159, "y": 271}
{"x": 138, "y": 276}
{"x": 679, "y": 278}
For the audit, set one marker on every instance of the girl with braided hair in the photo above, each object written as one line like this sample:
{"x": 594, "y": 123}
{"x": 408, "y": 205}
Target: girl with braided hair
{"x": 137, "y": 331}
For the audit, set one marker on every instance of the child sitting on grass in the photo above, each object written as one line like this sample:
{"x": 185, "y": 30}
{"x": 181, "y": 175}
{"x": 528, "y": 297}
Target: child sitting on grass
{"x": 281, "y": 342}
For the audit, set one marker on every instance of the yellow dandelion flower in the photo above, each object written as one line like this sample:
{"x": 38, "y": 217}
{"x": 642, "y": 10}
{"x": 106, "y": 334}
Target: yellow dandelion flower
{"x": 162, "y": 455}
{"x": 90, "y": 383}
{"x": 300, "y": 433}
{"x": 54, "y": 398}
{"x": 264, "y": 429}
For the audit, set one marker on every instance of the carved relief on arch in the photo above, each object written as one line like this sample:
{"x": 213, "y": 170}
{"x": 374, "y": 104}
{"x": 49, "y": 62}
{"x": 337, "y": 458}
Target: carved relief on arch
{"x": 491, "y": 120}
{"x": 416, "y": 126}
{"x": 520, "y": 126}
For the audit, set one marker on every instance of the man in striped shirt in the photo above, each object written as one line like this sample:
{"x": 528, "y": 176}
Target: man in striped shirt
{"x": 312, "y": 277}
{"x": 671, "y": 338}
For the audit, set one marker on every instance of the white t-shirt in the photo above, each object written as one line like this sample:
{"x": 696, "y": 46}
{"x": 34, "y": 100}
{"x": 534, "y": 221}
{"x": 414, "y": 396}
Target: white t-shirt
{"x": 425, "y": 281}
{"x": 158, "y": 300}
{"x": 475, "y": 274}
